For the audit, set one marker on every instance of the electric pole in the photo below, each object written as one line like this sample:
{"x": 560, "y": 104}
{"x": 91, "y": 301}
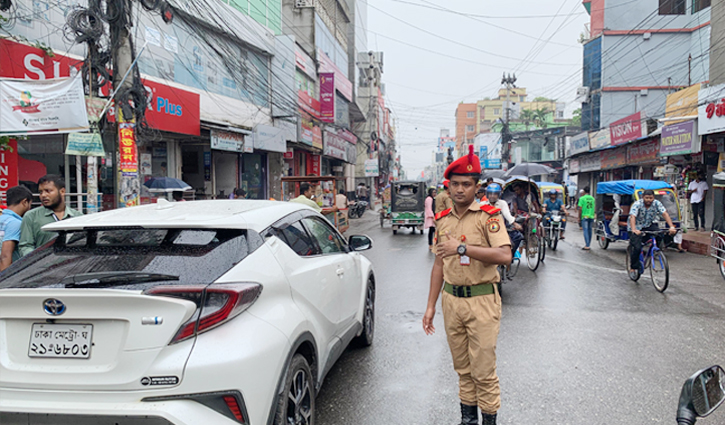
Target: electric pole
{"x": 509, "y": 81}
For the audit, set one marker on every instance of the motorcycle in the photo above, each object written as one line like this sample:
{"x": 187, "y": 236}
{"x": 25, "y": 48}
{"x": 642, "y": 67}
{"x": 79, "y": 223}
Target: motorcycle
{"x": 356, "y": 209}
{"x": 702, "y": 393}
{"x": 552, "y": 229}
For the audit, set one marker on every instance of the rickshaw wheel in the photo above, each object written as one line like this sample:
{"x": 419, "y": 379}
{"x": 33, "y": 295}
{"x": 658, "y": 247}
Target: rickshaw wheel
{"x": 720, "y": 249}
{"x": 533, "y": 248}
{"x": 382, "y": 219}
{"x": 602, "y": 237}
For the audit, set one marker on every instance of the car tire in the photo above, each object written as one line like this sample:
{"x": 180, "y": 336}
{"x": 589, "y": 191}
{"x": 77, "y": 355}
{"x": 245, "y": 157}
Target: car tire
{"x": 297, "y": 401}
{"x": 365, "y": 339}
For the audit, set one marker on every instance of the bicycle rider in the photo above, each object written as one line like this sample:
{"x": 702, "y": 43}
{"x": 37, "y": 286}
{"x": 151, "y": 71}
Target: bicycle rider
{"x": 643, "y": 216}
{"x": 493, "y": 193}
{"x": 553, "y": 203}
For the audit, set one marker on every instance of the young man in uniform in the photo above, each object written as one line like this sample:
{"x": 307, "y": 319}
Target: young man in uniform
{"x": 443, "y": 199}
{"x": 471, "y": 243}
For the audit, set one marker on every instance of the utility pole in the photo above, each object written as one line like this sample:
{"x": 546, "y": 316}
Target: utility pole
{"x": 717, "y": 43}
{"x": 510, "y": 82}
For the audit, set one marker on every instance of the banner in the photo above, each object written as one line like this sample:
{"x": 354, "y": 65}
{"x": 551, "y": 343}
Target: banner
{"x": 578, "y": 144}
{"x": 336, "y": 146}
{"x": 643, "y": 153}
{"x": 42, "y": 107}
{"x": 327, "y": 97}
{"x": 679, "y": 139}
{"x": 85, "y": 144}
{"x": 628, "y": 129}
{"x": 600, "y": 139}
{"x": 230, "y": 141}
{"x": 613, "y": 158}
{"x": 8, "y": 169}
{"x": 711, "y": 110}
{"x": 371, "y": 168}
{"x": 129, "y": 185}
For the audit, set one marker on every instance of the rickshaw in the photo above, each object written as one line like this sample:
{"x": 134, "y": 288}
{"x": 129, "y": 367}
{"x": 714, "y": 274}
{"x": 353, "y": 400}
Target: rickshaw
{"x": 614, "y": 200}
{"x": 325, "y": 191}
{"x": 407, "y": 205}
{"x": 717, "y": 237}
{"x": 552, "y": 228}
{"x": 533, "y": 241}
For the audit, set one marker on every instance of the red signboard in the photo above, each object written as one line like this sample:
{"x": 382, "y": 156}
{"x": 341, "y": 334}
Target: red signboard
{"x": 342, "y": 83}
{"x": 627, "y": 129}
{"x": 127, "y": 147}
{"x": 22, "y": 61}
{"x": 643, "y": 153}
{"x": 614, "y": 158}
{"x": 308, "y": 104}
{"x": 313, "y": 165}
{"x": 327, "y": 97}
{"x": 8, "y": 170}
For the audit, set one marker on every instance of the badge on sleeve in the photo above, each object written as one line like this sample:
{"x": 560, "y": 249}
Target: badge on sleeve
{"x": 493, "y": 225}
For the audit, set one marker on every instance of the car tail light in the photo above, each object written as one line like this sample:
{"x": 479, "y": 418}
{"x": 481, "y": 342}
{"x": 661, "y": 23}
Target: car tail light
{"x": 226, "y": 403}
{"x": 234, "y": 407}
{"x": 216, "y": 304}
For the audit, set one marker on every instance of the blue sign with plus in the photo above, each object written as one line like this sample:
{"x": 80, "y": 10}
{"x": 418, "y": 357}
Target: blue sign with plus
{"x": 168, "y": 107}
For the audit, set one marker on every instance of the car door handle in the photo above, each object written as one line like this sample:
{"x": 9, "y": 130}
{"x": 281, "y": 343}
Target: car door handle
{"x": 340, "y": 272}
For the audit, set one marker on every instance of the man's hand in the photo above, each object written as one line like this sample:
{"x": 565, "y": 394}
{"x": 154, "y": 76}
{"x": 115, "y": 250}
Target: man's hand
{"x": 637, "y": 232}
{"x": 447, "y": 247}
{"x": 428, "y": 327}
{"x": 518, "y": 227}
{"x": 673, "y": 230}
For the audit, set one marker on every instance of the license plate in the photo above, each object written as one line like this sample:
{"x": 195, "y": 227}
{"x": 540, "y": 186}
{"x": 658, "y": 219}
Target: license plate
{"x": 67, "y": 341}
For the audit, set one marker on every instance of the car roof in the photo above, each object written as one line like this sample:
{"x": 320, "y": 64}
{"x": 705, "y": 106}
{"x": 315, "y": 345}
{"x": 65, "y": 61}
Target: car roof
{"x": 213, "y": 214}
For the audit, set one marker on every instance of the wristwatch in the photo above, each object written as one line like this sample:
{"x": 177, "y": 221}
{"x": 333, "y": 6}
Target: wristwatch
{"x": 462, "y": 249}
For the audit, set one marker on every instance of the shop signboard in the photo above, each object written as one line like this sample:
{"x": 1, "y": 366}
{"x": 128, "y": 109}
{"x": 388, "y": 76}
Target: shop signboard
{"x": 308, "y": 103}
{"x": 85, "y": 144}
{"x": 371, "y": 168}
{"x": 327, "y": 97}
{"x": 600, "y": 139}
{"x": 8, "y": 169}
{"x": 578, "y": 144}
{"x": 313, "y": 165}
{"x": 643, "y": 153}
{"x": 128, "y": 162}
{"x": 268, "y": 138}
{"x": 230, "y": 141}
{"x": 682, "y": 103}
{"x": 591, "y": 162}
{"x": 42, "y": 106}
{"x": 317, "y": 137}
{"x": 628, "y": 129}
{"x": 304, "y": 63}
{"x": 679, "y": 139}
{"x": 492, "y": 163}
{"x": 711, "y": 110}
{"x": 335, "y": 146}
{"x": 574, "y": 166}
{"x": 342, "y": 83}
{"x": 613, "y": 158}
{"x": 347, "y": 135}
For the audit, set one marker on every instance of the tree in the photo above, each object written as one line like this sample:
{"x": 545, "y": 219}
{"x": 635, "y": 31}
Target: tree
{"x": 527, "y": 117}
{"x": 543, "y": 99}
{"x": 576, "y": 119}
{"x": 540, "y": 116}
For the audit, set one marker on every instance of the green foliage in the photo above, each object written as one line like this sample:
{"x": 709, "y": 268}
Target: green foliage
{"x": 540, "y": 117}
{"x": 543, "y": 99}
{"x": 576, "y": 119}
{"x": 527, "y": 116}
{"x": 5, "y": 144}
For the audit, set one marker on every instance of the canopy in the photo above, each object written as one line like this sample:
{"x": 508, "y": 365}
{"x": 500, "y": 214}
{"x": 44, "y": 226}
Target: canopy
{"x": 718, "y": 180}
{"x": 628, "y": 187}
{"x": 547, "y": 186}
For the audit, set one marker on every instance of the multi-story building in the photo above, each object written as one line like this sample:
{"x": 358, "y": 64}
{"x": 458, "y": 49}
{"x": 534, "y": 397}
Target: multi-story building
{"x": 640, "y": 51}
{"x": 466, "y": 123}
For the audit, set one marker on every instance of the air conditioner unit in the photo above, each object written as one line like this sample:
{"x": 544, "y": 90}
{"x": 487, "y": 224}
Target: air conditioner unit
{"x": 302, "y": 4}
{"x": 582, "y": 95}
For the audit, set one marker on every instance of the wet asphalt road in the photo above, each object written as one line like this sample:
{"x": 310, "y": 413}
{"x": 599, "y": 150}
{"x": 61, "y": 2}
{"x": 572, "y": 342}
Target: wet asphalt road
{"x": 579, "y": 344}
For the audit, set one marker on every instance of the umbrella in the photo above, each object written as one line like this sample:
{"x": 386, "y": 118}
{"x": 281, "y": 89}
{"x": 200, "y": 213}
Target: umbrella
{"x": 493, "y": 173}
{"x": 166, "y": 184}
{"x": 528, "y": 169}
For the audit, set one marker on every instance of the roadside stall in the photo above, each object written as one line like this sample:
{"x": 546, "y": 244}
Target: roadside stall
{"x": 324, "y": 196}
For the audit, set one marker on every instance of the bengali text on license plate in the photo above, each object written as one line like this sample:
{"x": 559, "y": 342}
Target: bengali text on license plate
{"x": 72, "y": 341}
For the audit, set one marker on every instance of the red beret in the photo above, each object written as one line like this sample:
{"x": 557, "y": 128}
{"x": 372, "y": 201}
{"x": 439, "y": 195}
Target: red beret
{"x": 445, "y": 182}
{"x": 469, "y": 164}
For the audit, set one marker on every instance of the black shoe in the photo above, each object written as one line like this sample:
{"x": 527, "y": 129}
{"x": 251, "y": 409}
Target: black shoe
{"x": 489, "y": 419}
{"x": 469, "y": 415}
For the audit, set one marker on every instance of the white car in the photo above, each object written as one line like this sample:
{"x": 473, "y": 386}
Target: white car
{"x": 206, "y": 312}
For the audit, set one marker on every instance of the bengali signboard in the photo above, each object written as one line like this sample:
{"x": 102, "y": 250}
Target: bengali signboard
{"x": 711, "y": 110}
{"x": 591, "y": 162}
{"x": 613, "y": 158}
{"x": 371, "y": 168}
{"x": 600, "y": 139}
{"x": 327, "y": 97}
{"x": 628, "y": 129}
{"x": 335, "y": 146}
{"x": 679, "y": 139}
{"x": 578, "y": 144}
{"x": 85, "y": 144}
{"x": 229, "y": 141}
{"x": 643, "y": 153}
{"x": 574, "y": 167}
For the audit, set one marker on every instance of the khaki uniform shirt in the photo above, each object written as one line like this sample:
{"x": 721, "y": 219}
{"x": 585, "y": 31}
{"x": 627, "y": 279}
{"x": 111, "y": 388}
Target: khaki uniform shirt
{"x": 480, "y": 229}
{"x": 443, "y": 201}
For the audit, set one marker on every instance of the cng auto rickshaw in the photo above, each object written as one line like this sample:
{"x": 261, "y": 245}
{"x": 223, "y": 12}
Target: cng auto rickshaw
{"x": 407, "y": 205}
{"x": 614, "y": 200}
{"x": 717, "y": 237}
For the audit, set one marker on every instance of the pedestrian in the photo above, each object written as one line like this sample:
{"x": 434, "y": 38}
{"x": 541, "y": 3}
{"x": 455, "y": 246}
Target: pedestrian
{"x": 362, "y": 192}
{"x": 481, "y": 195}
{"x": 581, "y": 193}
{"x": 697, "y": 190}
{"x": 586, "y": 216}
{"x": 54, "y": 208}
{"x": 430, "y": 215}
{"x": 443, "y": 199}
{"x": 471, "y": 243}
{"x": 341, "y": 200}
{"x": 19, "y": 200}
{"x": 571, "y": 188}
{"x": 240, "y": 194}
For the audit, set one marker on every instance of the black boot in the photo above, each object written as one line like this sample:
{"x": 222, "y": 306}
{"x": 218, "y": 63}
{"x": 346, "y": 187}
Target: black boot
{"x": 469, "y": 415}
{"x": 489, "y": 419}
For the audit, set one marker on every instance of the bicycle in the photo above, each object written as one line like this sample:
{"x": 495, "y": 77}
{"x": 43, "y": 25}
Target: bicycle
{"x": 653, "y": 258}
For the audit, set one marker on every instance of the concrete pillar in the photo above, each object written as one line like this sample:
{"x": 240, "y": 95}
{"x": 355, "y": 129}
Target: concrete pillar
{"x": 717, "y": 42}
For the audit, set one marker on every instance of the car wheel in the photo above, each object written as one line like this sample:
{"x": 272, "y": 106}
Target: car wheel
{"x": 368, "y": 332}
{"x": 297, "y": 402}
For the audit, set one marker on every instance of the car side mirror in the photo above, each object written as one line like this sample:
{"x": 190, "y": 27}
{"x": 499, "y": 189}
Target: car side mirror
{"x": 360, "y": 242}
{"x": 702, "y": 393}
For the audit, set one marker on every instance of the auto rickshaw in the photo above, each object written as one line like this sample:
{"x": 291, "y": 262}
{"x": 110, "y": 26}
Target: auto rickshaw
{"x": 717, "y": 237}
{"x": 325, "y": 191}
{"x": 545, "y": 188}
{"x": 407, "y": 205}
{"x": 533, "y": 239}
{"x": 614, "y": 200}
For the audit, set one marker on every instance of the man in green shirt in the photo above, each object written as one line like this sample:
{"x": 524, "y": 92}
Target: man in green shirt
{"x": 586, "y": 216}
{"x": 52, "y": 196}
{"x": 307, "y": 190}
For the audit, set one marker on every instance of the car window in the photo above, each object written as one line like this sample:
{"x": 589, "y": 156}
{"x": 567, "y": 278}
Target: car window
{"x": 298, "y": 239}
{"x": 326, "y": 237}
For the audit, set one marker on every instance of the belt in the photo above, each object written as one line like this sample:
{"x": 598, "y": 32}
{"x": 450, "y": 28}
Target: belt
{"x": 469, "y": 291}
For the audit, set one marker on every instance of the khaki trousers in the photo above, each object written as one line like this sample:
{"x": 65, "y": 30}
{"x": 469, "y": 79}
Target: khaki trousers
{"x": 472, "y": 326}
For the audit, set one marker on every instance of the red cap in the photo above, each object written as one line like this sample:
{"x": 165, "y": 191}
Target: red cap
{"x": 445, "y": 182}
{"x": 469, "y": 164}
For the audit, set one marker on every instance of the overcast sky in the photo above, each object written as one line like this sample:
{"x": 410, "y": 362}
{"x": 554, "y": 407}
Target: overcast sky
{"x": 459, "y": 55}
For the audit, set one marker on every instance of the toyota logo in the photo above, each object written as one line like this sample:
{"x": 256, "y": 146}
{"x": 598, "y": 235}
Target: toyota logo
{"x": 54, "y": 307}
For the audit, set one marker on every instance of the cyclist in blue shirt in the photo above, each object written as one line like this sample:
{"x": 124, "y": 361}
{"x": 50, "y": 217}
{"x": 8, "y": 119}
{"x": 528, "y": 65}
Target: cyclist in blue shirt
{"x": 643, "y": 216}
{"x": 553, "y": 203}
{"x": 19, "y": 200}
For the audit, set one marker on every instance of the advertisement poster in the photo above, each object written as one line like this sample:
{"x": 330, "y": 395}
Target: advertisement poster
{"x": 628, "y": 129}
{"x": 613, "y": 158}
{"x": 643, "y": 153}
{"x": 711, "y": 110}
{"x": 600, "y": 139}
{"x": 42, "y": 107}
{"x": 146, "y": 164}
{"x": 578, "y": 144}
{"x": 129, "y": 186}
{"x": 327, "y": 97}
{"x": 85, "y": 144}
{"x": 679, "y": 139}
{"x": 229, "y": 141}
{"x": 371, "y": 168}
{"x": 92, "y": 201}
{"x": 8, "y": 169}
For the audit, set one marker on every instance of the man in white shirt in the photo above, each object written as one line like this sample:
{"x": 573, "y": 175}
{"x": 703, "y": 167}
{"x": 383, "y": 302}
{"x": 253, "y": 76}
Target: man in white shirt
{"x": 697, "y": 190}
{"x": 493, "y": 193}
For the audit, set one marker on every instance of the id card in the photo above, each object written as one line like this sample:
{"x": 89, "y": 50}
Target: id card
{"x": 465, "y": 260}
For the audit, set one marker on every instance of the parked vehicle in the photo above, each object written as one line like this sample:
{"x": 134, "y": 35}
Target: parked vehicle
{"x": 407, "y": 205}
{"x": 614, "y": 200}
{"x": 701, "y": 394}
{"x": 207, "y": 312}
{"x": 356, "y": 209}
{"x": 717, "y": 237}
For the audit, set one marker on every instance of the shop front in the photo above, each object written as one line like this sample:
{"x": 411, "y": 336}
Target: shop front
{"x": 339, "y": 150}
{"x": 644, "y": 158}
{"x": 228, "y": 150}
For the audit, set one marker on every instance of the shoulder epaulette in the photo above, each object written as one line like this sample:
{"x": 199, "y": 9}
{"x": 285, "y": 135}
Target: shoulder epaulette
{"x": 490, "y": 209}
{"x": 443, "y": 213}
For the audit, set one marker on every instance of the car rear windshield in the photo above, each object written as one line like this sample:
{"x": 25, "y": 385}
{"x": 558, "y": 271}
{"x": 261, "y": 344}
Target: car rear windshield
{"x": 178, "y": 256}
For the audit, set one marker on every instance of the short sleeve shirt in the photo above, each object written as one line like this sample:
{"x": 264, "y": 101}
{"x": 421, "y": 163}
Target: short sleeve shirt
{"x": 443, "y": 201}
{"x": 302, "y": 199}
{"x": 698, "y": 191}
{"x": 479, "y": 229}
{"x": 586, "y": 203}
{"x": 645, "y": 217}
{"x": 553, "y": 206}
{"x": 10, "y": 224}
